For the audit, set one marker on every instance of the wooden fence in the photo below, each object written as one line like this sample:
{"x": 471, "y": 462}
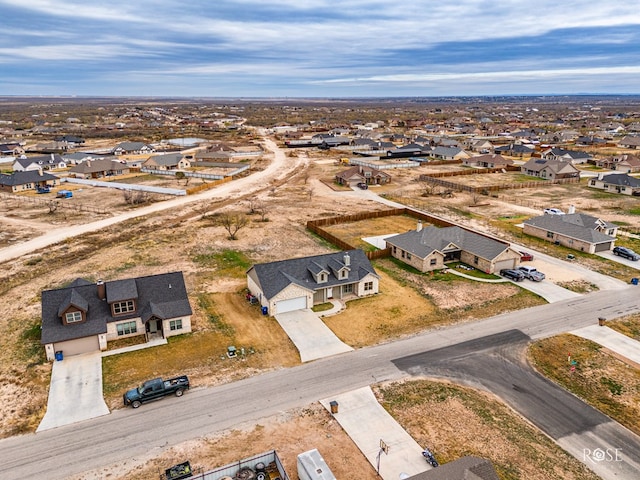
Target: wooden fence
{"x": 49, "y": 202}
{"x": 433, "y": 180}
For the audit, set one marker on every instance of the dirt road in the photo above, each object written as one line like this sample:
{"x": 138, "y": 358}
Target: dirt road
{"x": 278, "y": 169}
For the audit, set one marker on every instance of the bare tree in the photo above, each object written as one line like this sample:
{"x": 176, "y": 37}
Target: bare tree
{"x": 135, "y": 197}
{"x": 261, "y": 209}
{"x": 232, "y": 222}
{"x": 53, "y": 206}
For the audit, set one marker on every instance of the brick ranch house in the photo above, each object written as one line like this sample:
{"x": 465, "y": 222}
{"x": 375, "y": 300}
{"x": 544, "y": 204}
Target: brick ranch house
{"x": 84, "y": 316}
{"x": 300, "y": 283}
{"x": 431, "y": 248}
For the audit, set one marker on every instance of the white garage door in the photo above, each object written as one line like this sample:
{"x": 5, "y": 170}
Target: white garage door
{"x": 78, "y": 346}
{"x": 298, "y": 303}
{"x": 511, "y": 263}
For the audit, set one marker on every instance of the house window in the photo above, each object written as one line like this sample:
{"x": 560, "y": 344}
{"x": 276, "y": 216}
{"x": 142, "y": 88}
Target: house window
{"x": 402, "y": 253}
{"x": 123, "y": 307}
{"x": 433, "y": 261}
{"x": 549, "y": 234}
{"x": 175, "y": 324}
{"x": 347, "y": 288}
{"x": 611, "y": 231}
{"x": 126, "y": 328}
{"x": 368, "y": 286}
{"x": 408, "y": 256}
{"x": 394, "y": 249}
{"x": 73, "y": 317}
{"x": 323, "y": 277}
{"x": 475, "y": 260}
{"x": 344, "y": 274}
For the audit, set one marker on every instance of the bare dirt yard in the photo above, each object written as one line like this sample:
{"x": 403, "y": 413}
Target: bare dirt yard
{"x": 191, "y": 240}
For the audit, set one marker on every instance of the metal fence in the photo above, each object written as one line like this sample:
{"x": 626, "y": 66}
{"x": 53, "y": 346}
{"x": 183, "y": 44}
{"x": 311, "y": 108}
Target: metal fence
{"x": 50, "y": 202}
{"x": 127, "y": 186}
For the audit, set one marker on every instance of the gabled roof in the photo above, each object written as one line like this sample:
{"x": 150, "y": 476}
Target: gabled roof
{"x": 168, "y": 160}
{"x": 429, "y": 239}
{"x": 494, "y": 158}
{"x": 22, "y": 178}
{"x": 98, "y": 165}
{"x": 163, "y": 296}
{"x": 273, "y": 277}
{"x": 52, "y": 159}
{"x": 574, "y": 225}
{"x": 465, "y": 468}
{"x": 622, "y": 179}
{"x": 554, "y": 165}
{"x": 131, "y": 146}
{"x": 360, "y": 170}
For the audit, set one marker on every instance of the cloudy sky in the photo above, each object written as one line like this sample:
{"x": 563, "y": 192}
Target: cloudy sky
{"x": 318, "y": 48}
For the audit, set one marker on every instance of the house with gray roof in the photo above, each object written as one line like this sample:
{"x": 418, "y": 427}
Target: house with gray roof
{"x": 40, "y": 162}
{"x": 362, "y": 174}
{"x": 99, "y": 168}
{"x": 550, "y": 169}
{"x": 465, "y": 468}
{"x": 448, "y": 153}
{"x": 84, "y": 316}
{"x": 573, "y": 156}
{"x": 431, "y": 248}
{"x": 489, "y": 160}
{"x": 125, "y": 148}
{"x": 300, "y": 283}
{"x": 578, "y": 231}
{"x": 25, "y": 181}
{"x": 630, "y": 141}
{"x": 169, "y": 161}
{"x": 616, "y": 183}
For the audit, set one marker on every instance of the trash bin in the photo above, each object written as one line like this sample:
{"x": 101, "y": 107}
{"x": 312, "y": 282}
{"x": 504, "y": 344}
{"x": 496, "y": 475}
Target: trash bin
{"x": 59, "y": 355}
{"x": 634, "y": 281}
{"x": 334, "y": 406}
{"x": 265, "y": 310}
{"x": 601, "y": 321}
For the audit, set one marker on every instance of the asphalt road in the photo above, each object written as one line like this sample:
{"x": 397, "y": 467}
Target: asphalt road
{"x": 496, "y": 363}
{"x": 129, "y": 433}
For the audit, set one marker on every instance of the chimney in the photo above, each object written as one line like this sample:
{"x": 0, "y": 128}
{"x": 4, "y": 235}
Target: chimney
{"x": 347, "y": 259}
{"x": 419, "y": 227}
{"x": 600, "y": 175}
{"x": 40, "y": 172}
{"x": 102, "y": 290}
{"x": 572, "y": 209}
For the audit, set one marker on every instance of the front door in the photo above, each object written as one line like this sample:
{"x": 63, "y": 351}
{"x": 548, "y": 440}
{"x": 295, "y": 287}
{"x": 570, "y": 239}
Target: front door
{"x": 329, "y": 292}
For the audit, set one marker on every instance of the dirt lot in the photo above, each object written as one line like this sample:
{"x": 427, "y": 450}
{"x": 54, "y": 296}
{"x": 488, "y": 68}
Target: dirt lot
{"x": 180, "y": 240}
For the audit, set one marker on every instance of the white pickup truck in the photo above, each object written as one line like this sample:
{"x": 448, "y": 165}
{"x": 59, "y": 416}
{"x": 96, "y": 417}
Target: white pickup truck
{"x": 532, "y": 274}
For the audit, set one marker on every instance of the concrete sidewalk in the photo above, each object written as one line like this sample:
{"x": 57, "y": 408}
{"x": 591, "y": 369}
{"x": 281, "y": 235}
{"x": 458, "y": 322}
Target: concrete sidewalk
{"x": 75, "y": 392}
{"x": 366, "y": 422}
{"x": 614, "y": 341}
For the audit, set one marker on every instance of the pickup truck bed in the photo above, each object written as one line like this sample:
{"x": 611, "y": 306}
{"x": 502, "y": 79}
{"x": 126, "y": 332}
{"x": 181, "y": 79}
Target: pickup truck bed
{"x": 155, "y": 389}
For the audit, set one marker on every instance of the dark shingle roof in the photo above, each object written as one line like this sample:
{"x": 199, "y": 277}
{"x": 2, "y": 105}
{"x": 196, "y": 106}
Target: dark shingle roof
{"x": 273, "y": 277}
{"x": 163, "y": 296}
{"x": 465, "y": 468}
{"x": 21, "y": 178}
{"x": 575, "y": 225}
{"x": 429, "y": 239}
{"x": 621, "y": 179}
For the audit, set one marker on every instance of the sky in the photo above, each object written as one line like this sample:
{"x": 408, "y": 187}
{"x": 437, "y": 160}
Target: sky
{"x": 319, "y": 48}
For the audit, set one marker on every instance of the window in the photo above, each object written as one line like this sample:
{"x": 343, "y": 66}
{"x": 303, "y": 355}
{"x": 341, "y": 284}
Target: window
{"x": 475, "y": 260}
{"x": 323, "y": 278}
{"x": 433, "y": 261}
{"x": 368, "y": 286}
{"x": 549, "y": 234}
{"x": 123, "y": 307}
{"x": 126, "y": 328}
{"x": 175, "y": 324}
{"x": 347, "y": 288}
{"x": 344, "y": 274}
{"x": 408, "y": 256}
{"x": 73, "y": 317}
{"x": 394, "y": 249}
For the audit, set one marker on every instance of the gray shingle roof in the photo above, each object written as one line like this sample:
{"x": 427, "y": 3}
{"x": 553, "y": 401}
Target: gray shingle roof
{"x": 621, "y": 179}
{"x": 22, "y": 178}
{"x": 575, "y": 225}
{"x": 163, "y": 296}
{"x": 273, "y": 277}
{"x": 465, "y": 468}
{"x": 429, "y": 239}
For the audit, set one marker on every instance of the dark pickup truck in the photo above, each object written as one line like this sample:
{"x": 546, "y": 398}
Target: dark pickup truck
{"x": 156, "y": 388}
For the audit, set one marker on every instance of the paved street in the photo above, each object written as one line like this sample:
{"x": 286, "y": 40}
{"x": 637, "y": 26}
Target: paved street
{"x": 128, "y": 433}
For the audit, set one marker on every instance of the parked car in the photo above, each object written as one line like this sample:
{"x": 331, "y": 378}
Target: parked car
{"x": 155, "y": 389}
{"x": 626, "y": 253}
{"x": 532, "y": 273}
{"x": 363, "y": 185}
{"x": 553, "y": 211}
{"x": 64, "y": 194}
{"x": 526, "y": 256}
{"x": 512, "y": 274}
{"x": 44, "y": 189}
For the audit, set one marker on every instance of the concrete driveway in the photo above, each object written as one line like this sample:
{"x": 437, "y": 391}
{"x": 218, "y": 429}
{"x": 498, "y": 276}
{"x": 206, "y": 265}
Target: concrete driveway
{"x": 625, "y": 261}
{"x": 367, "y": 422}
{"x": 614, "y": 341}
{"x": 75, "y": 392}
{"x": 310, "y": 335}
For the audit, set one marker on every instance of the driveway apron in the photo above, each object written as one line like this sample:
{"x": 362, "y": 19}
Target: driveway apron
{"x": 310, "y": 335}
{"x": 75, "y": 392}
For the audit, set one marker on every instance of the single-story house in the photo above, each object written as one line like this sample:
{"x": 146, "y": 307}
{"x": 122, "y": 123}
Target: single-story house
{"x": 448, "y": 153}
{"x": 431, "y": 248}
{"x": 573, "y": 156}
{"x": 363, "y": 174}
{"x": 616, "y": 183}
{"x": 24, "y": 181}
{"x": 99, "y": 168}
{"x": 515, "y": 150}
{"x": 71, "y": 139}
{"x": 300, "y": 283}
{"x": 169, "y": 161}
{"x": 41, "y": 162}
{"x": 11, "y": 149}
{"x": 84, "y": 316}
{"x": 410, "y": 150}
{"x": 630, "y": 141}
{"x": 550, "y": 169}
{"x": 621, "y": 163}
{"x": 490, "y": 160}
{"x": 125, "y": 148}
{"x": 578, "y": 231}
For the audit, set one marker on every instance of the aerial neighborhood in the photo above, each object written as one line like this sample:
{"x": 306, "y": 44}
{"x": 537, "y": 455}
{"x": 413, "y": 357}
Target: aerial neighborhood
{"x": 344, "y": 268}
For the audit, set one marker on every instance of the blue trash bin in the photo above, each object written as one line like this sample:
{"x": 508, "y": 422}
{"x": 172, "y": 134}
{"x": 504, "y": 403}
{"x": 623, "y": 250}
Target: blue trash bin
{"x": 59, "y": 356}
{"x": 634, "y": 281}
{"x": 265, "y": 310}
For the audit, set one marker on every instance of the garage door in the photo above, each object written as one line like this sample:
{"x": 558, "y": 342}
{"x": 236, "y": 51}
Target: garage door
{"x": 511, "y": 263}
{"x": 603, "y": 247}
{"x": 78, "y": 346}
{"x": 291, "y": 304}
